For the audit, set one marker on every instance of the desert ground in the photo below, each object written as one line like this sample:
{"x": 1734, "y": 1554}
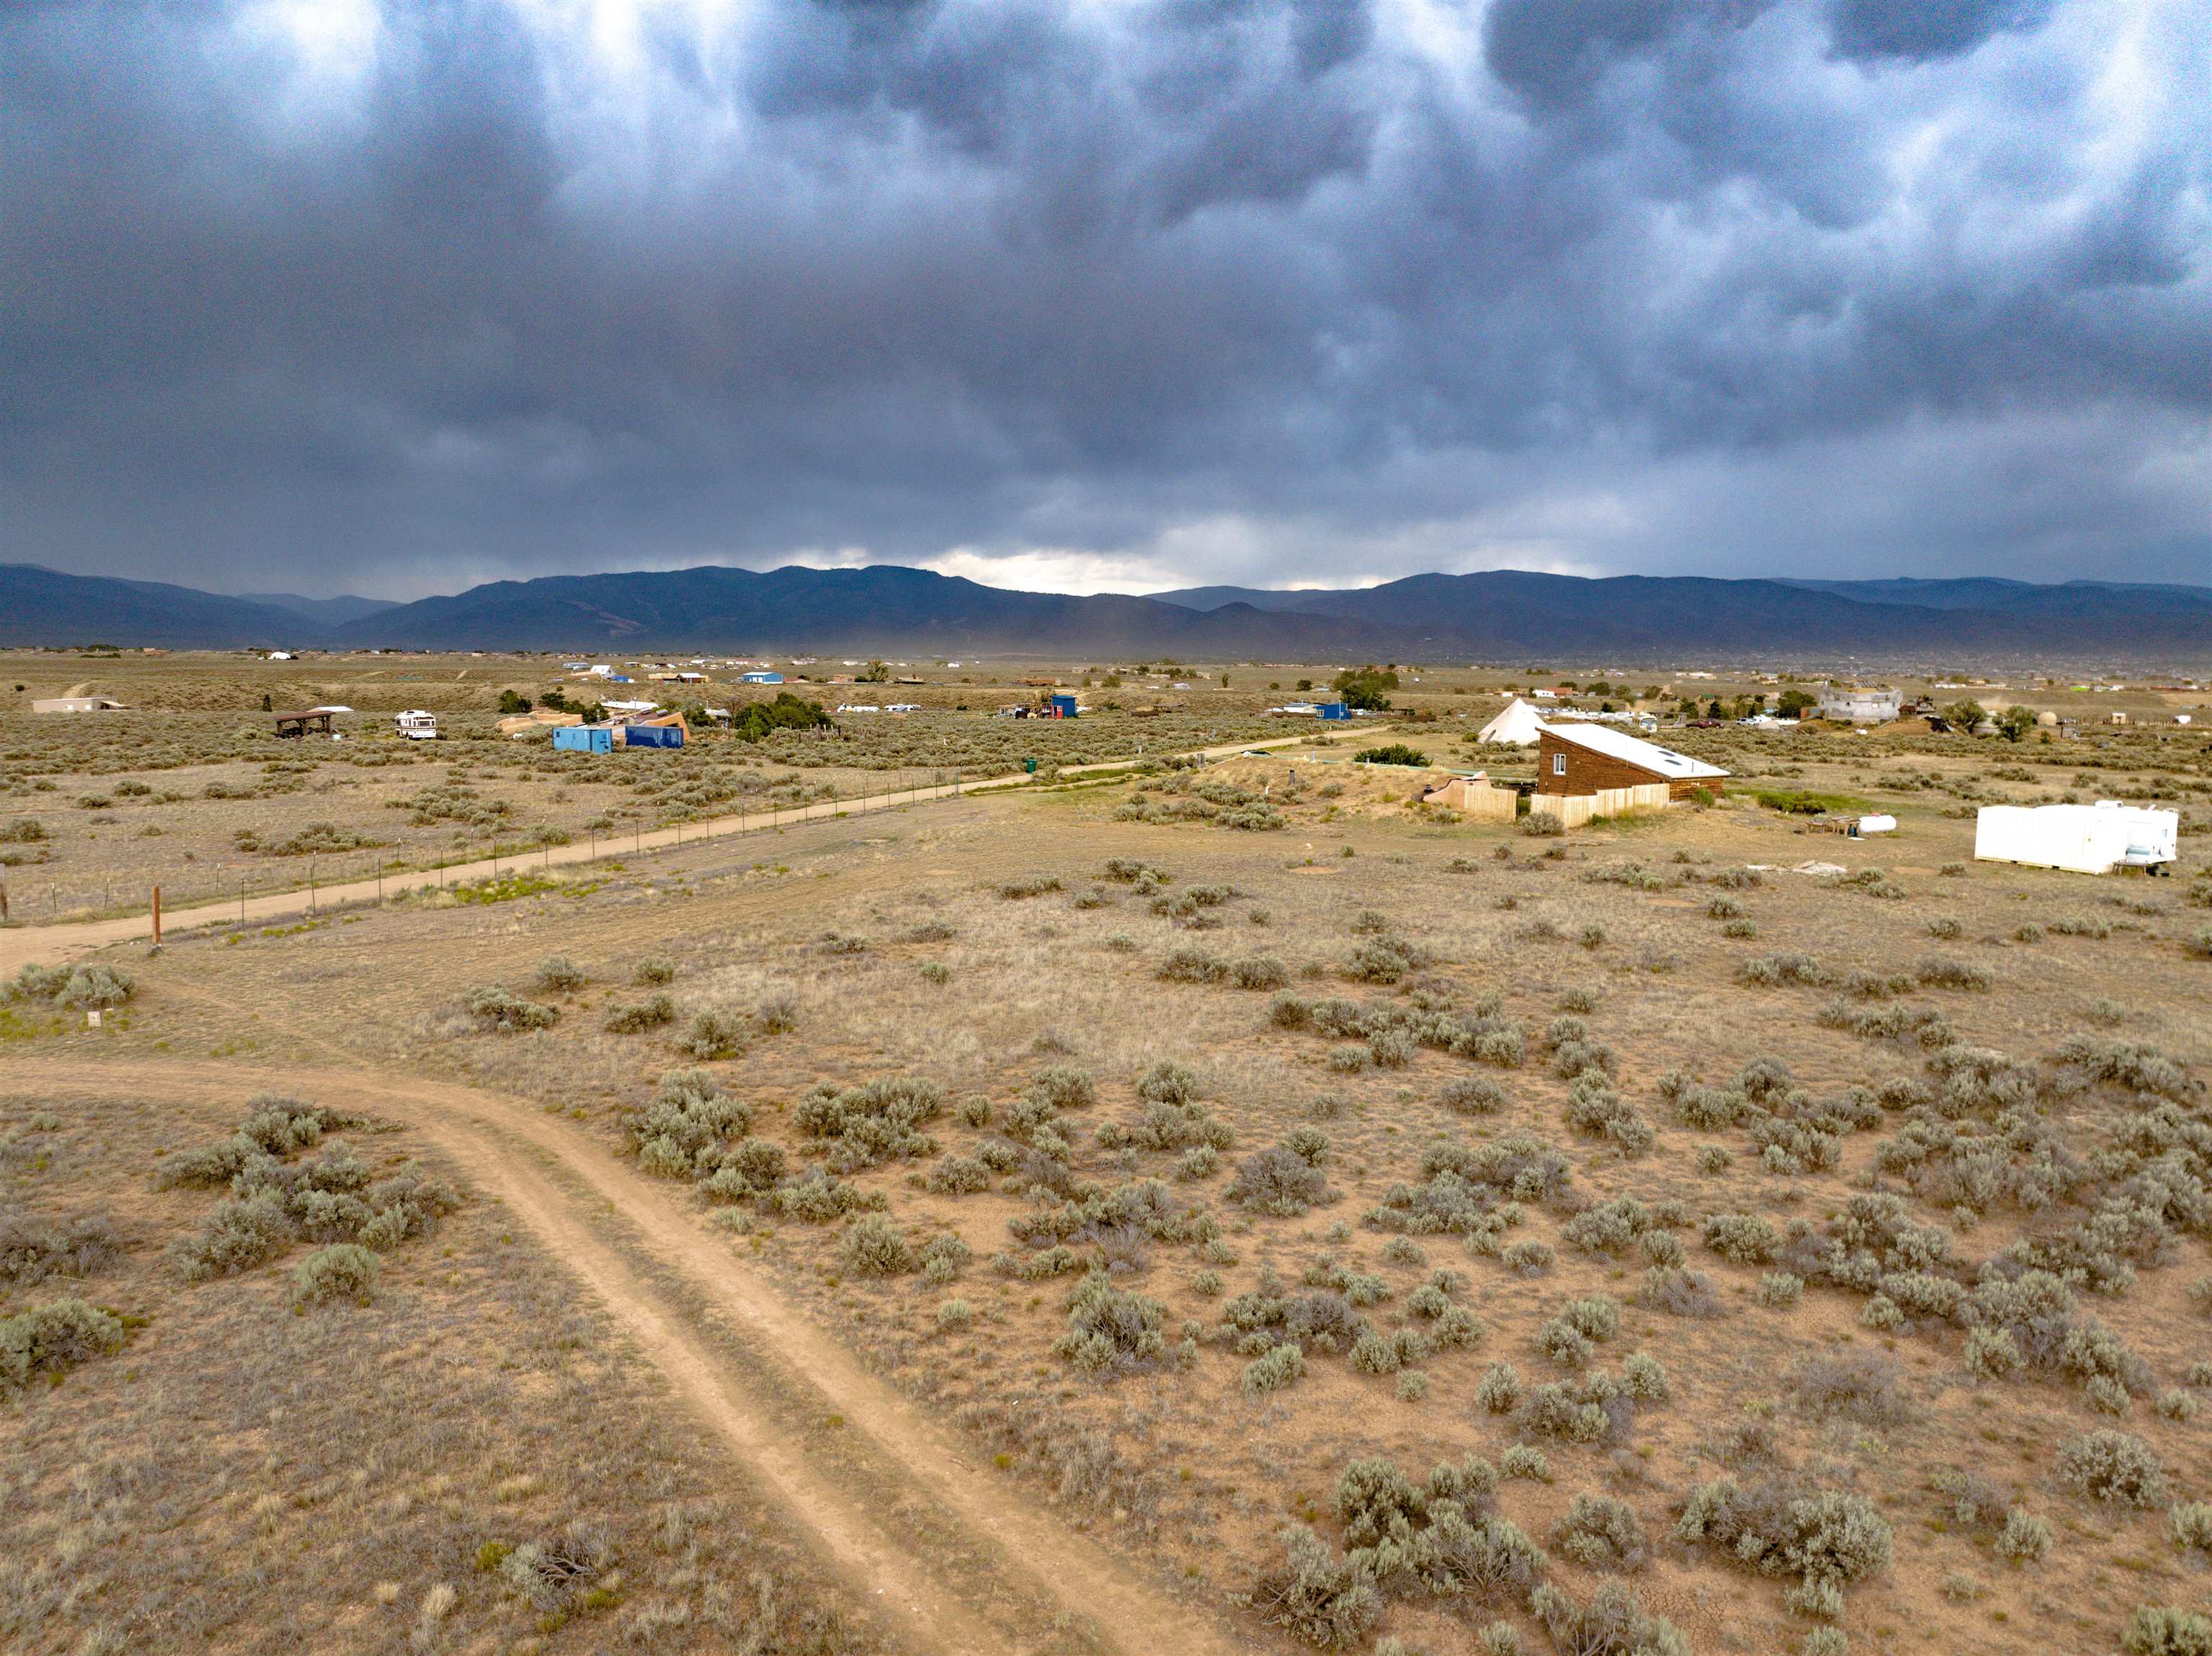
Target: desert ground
{"x": 1221, "y": 1205}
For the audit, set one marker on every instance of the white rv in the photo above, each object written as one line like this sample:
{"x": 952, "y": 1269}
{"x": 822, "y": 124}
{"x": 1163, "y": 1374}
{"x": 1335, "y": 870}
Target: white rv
{"x": 416, "y": 726}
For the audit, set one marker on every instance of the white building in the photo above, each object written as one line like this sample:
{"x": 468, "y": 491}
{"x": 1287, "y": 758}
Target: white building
{"x": 2081, "y": 839}
{"x": 1854, "y": 704}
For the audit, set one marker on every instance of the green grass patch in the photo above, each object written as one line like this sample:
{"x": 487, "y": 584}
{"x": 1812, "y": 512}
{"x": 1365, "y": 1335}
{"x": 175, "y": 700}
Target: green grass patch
{"x": 506, "y": 889}
{"x": 19, "y": 1026}
{"x": 1804, "y": 802}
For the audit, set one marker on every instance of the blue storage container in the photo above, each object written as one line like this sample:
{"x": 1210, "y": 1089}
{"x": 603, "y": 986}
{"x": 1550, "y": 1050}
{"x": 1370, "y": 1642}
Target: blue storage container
{"x": 1333, "y": 710}
{"x": 584, "y": 738}
{"x": 1061, "y": 707}
{"x": 652, "y": 736}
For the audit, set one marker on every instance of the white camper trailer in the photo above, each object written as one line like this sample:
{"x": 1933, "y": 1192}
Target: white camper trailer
{"x": 2081, "y": 839}
{"x": 418, "y": 725}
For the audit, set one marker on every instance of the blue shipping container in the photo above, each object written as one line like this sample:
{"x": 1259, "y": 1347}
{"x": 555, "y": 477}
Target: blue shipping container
{"x": 584, "y": 738}
{"x": 653, "y": 735}
{"x": 1063, "y": 707}
{"x": 1333, "y": 710}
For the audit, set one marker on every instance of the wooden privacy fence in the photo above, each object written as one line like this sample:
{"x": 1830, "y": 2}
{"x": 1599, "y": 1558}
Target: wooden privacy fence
{"x": 1476, "y": 798}
{"x": 1573, "y": 809}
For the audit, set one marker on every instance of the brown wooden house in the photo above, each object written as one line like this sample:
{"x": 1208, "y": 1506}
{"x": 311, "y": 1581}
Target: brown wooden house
{"x": 1586, "y": 759}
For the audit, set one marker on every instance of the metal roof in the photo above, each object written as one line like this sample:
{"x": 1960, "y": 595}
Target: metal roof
{"x": 1633, "y": 750}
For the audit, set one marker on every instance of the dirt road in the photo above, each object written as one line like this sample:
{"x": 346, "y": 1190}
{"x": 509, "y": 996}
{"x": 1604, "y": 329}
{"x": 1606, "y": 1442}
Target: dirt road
{"x": 58, "y": 943}
{"x": 955, "y": 1555}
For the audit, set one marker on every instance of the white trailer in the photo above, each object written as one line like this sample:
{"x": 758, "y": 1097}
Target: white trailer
{"x": 2081, "y": 839}
{"x": 416, "y": 726}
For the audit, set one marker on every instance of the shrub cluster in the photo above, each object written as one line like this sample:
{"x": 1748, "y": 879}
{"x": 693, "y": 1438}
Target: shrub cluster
{"x": 1283, "y": 1179}
{"x": 276, "y": 1201}
{"x": 48, "y": 1340}
{"x": 688, "y": 1130}
{"x": 1111, "y": 1331}
{"x": 1828, "y": 1538}
{"x": 1462, "y": 1184}
{"x": 77, "y": 989}
{"x": 869, "y": 1125}
{"x": 32, "y": 1249}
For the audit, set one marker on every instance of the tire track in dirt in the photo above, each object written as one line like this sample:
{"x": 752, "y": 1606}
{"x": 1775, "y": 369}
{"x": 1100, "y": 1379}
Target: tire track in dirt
{"x": 959, "y": 1559}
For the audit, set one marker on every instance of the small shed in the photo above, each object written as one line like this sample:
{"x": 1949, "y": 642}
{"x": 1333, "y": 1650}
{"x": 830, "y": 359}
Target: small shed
{"x": 1333, "y": 710}
{"x": 1059, "y": 706}
{"x": 296, "y": 725}
{"x": 585, "y": 738}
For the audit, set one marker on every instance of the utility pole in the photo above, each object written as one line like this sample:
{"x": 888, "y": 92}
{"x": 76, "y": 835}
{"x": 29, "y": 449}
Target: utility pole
{"x": 157, "y": 917}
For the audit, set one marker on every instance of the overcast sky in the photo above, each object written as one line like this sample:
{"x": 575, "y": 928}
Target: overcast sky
{"x": 328, "y": 295}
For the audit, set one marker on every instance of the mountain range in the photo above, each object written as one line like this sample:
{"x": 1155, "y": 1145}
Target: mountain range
{"x": 1498, "y": 616}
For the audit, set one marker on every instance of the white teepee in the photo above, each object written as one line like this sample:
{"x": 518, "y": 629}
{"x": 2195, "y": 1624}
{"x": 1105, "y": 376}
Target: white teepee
{"x": 1517, "y": 726}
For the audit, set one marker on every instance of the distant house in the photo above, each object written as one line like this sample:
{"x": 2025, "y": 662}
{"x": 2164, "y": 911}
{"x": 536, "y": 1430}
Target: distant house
{"x": 762, "y": 677}
{"x": 1855, "y": 704}
{"x": 1588, "y": 759}
{"x": 78, "y": 704}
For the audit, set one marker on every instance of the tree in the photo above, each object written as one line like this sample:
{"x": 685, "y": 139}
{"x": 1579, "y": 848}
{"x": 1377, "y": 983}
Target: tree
{"x": 875, "y": 673}
{"x": 512, "y": 702}
{"x": 1366, "y": 687}
{"x": 2016, "y": 722}
{"x": 1794, "y": 703}
{"x": 1716, "y": 711}
{"x": 786, "y": 712}
{"x": 1964, "y": 715}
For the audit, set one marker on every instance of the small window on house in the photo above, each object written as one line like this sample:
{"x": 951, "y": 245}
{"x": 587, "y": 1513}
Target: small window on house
{"x": 1558, "y": 764}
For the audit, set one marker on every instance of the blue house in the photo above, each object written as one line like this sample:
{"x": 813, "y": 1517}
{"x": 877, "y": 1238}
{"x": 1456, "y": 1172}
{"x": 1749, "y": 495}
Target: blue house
{"x": 760, "y": 678}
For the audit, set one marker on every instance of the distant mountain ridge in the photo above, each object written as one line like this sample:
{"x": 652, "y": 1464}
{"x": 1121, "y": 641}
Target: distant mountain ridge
{"x": 40, "y": 605}
{"x": 334, "y": 611}
{"x": 1498, "y": 615}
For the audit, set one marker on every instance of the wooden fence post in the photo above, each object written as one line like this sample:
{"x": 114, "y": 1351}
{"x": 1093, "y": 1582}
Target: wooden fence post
{"x": 157, "y": 917}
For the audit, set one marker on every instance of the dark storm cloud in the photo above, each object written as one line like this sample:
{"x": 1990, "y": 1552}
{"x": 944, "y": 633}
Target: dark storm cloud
{"x": 321, "y": 296}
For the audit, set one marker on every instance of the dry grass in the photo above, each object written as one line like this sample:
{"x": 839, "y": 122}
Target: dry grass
{"x": 244, "y": 1478}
